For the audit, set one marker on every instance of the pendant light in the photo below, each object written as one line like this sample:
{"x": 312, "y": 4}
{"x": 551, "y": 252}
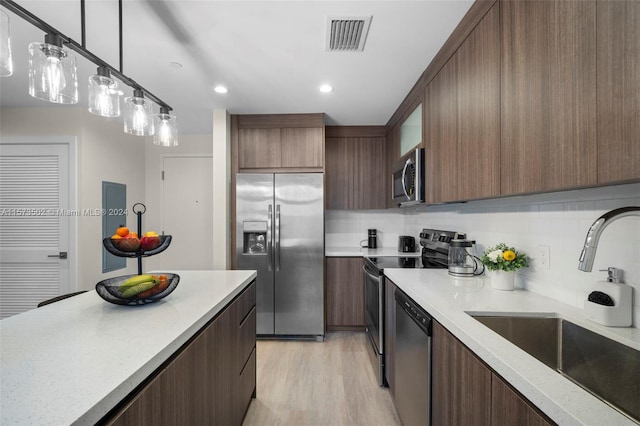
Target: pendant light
{"x": 166, "y": 128}
{"x": 137, "y": 115}
{"x": 104, "y": 96}
{"x": 52, "y": 72}
{"x": 6, "y": 62}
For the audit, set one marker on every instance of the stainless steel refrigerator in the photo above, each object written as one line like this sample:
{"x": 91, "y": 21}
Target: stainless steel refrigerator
{"x": 280, "y": 233}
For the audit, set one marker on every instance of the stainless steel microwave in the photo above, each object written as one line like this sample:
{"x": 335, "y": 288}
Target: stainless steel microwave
{"x": 407, "y": 180}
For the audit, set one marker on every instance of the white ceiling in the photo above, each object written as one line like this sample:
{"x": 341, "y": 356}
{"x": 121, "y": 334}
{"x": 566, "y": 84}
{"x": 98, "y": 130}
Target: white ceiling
{"x": 270, "y": 54}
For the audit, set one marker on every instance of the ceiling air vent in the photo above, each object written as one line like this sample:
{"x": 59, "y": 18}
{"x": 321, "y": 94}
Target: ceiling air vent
{"x": 347, "y": 33}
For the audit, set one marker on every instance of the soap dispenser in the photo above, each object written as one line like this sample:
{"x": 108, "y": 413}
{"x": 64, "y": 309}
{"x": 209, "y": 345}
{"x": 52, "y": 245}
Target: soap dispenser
{"x": 609, "y": 302}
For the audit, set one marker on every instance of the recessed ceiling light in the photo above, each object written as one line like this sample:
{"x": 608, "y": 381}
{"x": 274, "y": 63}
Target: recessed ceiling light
{"x": 325, "y": 88}
{"x": 220, "y": 89}
{"x": 176, "y": 65}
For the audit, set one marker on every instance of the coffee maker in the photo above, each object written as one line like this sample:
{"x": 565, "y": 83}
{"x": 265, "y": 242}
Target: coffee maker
{"x": 372, "y": 240}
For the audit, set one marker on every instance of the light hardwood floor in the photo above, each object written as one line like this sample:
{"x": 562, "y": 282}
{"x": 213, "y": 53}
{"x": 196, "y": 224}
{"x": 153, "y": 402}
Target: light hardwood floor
{"x": 312, "y": 383}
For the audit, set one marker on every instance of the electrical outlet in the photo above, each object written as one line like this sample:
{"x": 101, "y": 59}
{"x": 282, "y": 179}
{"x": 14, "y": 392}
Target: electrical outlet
{"x": 544, "y": 257}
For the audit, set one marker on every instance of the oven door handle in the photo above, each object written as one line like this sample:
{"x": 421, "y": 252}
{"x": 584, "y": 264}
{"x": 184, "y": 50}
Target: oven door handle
{"x": 373, "y": 277}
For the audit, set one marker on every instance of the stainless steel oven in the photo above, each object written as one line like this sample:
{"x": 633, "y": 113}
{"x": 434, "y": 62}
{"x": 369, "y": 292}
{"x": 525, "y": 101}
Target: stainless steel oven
{"x": 374, "y": 316}
{"x": 434, "y": 250}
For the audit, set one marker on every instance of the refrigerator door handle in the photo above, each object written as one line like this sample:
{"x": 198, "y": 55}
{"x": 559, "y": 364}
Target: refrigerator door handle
{"x": 269, "y": 242}
{"x": 277, "y": 232}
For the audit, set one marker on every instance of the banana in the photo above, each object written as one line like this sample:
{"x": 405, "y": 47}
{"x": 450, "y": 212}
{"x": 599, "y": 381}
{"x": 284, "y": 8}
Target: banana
{"x": 136, "y": 280}
{"x": 138, "y": 288}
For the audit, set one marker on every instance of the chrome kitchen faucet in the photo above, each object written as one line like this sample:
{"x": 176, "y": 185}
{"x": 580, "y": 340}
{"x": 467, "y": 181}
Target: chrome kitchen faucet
{"x": 593, "y": 235}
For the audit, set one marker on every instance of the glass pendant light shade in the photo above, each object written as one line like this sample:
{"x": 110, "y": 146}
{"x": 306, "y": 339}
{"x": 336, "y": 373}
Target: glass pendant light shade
{"x": 6, "y": 62}
{"x": 104, "y": 96}
{"x": 52, "y": 72}
{"x": 137, "y": 115}
{"x": 166, "y": 128}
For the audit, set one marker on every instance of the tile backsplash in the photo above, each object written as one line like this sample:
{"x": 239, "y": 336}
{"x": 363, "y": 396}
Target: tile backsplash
{"x": 557, "y": 221}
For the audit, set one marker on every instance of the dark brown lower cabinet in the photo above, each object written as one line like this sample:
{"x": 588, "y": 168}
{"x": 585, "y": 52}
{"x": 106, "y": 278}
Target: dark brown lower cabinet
{"x": 210, "y": 381}
{"x": 508, "y": 407}
{"x": 467, "y": 392}
{"x": 345, "y": 294}
{"x": 461, "y": 383}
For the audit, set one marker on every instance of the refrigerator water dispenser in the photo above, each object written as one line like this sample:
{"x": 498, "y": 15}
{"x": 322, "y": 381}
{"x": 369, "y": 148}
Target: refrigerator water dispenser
{"x": 254, "y": 237}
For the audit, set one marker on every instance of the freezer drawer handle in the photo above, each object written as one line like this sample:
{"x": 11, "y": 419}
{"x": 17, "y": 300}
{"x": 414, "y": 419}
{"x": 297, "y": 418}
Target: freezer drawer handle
{"x": 277, "y": 237}
{"x": 269, "y": 243}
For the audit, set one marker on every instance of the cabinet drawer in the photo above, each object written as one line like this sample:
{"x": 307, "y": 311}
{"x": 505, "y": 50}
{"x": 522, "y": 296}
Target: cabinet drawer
{"x": 247, "y": 338}
{"x": 244, "y": 303}
{"x": 247, "y": 383}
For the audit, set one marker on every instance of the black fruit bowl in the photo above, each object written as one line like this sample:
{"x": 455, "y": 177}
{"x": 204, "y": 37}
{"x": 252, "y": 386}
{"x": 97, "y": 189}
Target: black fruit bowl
{"x": 109, "y": 290}
{"x": 165, "y": 240}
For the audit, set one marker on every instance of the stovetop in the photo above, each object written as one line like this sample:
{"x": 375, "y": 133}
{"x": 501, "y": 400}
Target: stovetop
{"x": 435, "y": 252}
{"x": 403, "y": 262}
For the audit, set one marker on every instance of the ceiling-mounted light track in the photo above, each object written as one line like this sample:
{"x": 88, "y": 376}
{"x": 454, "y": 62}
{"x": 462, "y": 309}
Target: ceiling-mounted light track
{"x": 54, "y": 74}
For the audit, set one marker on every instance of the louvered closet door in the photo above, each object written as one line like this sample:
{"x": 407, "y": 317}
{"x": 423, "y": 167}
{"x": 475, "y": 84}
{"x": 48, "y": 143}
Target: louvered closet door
{"x": 33, "y": 226}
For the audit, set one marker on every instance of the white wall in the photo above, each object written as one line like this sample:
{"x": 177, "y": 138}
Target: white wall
{"x": 105, "y": 153}
{"x": 221, "y": 189}
{"x": 557, "y": 220}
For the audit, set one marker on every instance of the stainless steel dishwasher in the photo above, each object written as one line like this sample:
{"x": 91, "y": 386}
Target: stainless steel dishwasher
{"x": 412, "y": 362}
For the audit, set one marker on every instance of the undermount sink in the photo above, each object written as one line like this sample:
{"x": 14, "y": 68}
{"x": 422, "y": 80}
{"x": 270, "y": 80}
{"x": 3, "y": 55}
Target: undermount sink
{"x": 604, "y": 367}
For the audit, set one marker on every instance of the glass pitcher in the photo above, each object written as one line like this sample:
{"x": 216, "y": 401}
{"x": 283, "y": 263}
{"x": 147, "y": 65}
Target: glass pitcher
{"x": 462, "y": 263}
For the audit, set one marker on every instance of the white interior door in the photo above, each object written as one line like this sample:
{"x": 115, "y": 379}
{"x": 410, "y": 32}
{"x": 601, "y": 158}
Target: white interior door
{"x": 187, "y": 211}
{"x": 34, "y": 224}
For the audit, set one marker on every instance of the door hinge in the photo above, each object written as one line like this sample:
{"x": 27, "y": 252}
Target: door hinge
{"x": 162, "y": 175}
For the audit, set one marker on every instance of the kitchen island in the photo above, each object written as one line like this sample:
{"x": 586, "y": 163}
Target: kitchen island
{"x": 74, "y": 361}
{"x": 450, "y": 300}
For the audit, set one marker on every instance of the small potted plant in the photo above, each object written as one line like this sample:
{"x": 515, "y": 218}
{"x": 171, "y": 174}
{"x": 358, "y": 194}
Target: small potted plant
{"x": 502, "y": 261}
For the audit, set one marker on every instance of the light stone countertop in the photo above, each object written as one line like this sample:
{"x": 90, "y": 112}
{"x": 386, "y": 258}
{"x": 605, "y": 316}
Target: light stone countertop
{"x": 448, "y": 300}
{"x": 365, "y": 252}
{"x": 72, "y": 361}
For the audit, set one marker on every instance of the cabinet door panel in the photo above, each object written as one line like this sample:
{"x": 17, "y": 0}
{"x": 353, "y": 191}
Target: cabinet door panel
{"x": 509, "y": 408}
{"x": 441, "y": 145}
{"x": 461, "y": 383}
{"x": 618, "y": 90}
{"x": 355, "y": 176}
{"x": 368, "y": 173}
{"x": 259, "y": 148}
{"x": 548, "y": 103}
{"x": 478, "y": 104}
{"x": 339, "y": 175}
{"x": 302, "y": 147}
{"x": 345, "y": 293}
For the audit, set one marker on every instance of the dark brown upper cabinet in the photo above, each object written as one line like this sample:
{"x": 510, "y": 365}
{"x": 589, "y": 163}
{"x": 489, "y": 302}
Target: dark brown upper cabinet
{"x": 355, "y": 168}
{"x": 280, "y": 142}
{"x": 618, "y": 74}
{"x": 462, "y": 119}
{"x": 478, "y": 108}
{"x": 548, "y": 95}
{"x": 441, "y": 134}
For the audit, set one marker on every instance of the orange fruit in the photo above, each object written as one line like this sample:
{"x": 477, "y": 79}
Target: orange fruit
{"x": 122, "y": 231}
